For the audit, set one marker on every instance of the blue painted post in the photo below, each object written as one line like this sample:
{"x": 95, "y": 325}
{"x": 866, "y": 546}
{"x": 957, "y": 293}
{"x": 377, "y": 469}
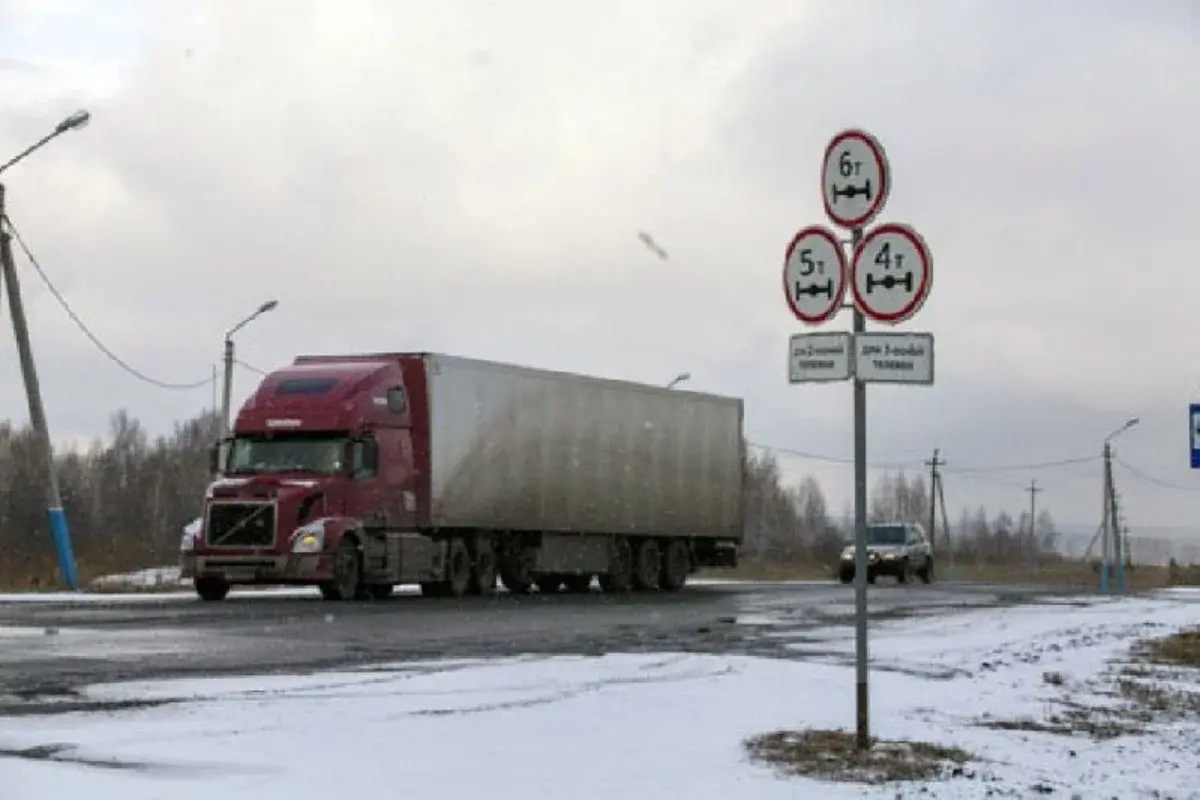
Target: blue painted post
{"x": 37, "y": 413}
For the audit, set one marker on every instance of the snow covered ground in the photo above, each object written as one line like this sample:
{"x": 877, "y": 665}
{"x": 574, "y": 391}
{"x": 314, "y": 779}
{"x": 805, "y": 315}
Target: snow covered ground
{"x": 650, "y": 726}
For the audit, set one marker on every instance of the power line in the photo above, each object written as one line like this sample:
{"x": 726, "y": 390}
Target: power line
{"x": 918, "y": 463}
{"x": 62, "y": 301}
{"x": 1137, "y": 473}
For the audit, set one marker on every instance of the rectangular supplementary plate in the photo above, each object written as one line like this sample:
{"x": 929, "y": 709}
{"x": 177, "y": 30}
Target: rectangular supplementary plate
{"x": 894, "y": 357}
{"x": 818, "y": 357}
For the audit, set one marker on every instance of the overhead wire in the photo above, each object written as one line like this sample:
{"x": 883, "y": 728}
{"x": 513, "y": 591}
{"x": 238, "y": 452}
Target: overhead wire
{"x": 965, "y": 471}
{"x": 1137, "y": 473}
{"x": 95, "y": 340}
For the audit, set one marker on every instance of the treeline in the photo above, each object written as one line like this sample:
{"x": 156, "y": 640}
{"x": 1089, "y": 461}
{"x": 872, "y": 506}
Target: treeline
{"x": 127, "y": 500}
{"x": 789, "y": 523}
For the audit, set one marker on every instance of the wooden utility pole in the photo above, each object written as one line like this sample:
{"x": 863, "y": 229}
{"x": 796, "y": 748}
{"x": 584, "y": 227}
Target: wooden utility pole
{"x": 1033, "y": 542}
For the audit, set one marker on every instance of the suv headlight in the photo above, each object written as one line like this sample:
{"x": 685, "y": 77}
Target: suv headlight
{"x": 309, "y": 538}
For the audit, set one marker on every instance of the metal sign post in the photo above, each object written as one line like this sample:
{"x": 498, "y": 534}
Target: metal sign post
{"x": 890, "y": 273}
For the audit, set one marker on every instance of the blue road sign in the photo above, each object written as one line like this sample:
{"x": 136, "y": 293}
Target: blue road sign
{"x": 1194, "y": 433}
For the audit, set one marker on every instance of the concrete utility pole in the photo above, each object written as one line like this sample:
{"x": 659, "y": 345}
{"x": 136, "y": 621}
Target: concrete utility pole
{"x": 1033, "y": 542}
{"x": 934, "y": 478}
{"x": 227, "y": 388}
{"x": 1110, "y": 538}
{"x": 33, "y": 391}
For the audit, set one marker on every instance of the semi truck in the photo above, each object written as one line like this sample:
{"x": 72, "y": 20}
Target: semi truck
{"x": 360, "y": 473}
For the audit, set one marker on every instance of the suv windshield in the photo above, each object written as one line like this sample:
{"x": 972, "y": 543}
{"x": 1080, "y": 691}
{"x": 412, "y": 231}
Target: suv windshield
{"x": 307, "y": 453}
{"x": 886, "y": 534}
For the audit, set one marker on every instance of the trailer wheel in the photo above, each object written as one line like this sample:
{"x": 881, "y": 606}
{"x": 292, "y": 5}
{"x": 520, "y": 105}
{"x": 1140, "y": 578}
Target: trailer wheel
{"x": 619, "y": 577}
{"x": 549, "y": 584}
{"x": 578, "y": 584}
{"x": 515, "y": 572}
{"x": 379, "y": 591}
{"x": 458, "y": 568}
{"x": 211, "y": 590}
{"x": 347, "y": 573}
{"x": 483, "y": 571}
{"x": 647, "y": 566}
{"x": 677, "y": 565}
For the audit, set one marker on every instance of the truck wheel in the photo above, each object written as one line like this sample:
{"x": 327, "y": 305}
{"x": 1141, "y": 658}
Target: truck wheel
{"x": 903, "y": 575}
{"x": 647, "y": 566}
{"x": 578, "y": 584}
{"x": 925, "y": 573}
{"x": 619, "y": 577}
{"x": 515, "y": 571}
{"x": 677, "y": 565}
{"x": 458, "y": 568}
{"x": 483, "y": 572}
{"x": 347, "y": 573}
{"x": 211, "y": 590}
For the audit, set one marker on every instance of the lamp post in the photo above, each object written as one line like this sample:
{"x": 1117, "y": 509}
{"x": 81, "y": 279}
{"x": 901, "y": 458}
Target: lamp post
{"x": 227, "y": 387}
{"x": 33, "y": 391}
{"x": 1111, "y": 535}
{"x": 678, "y": 379}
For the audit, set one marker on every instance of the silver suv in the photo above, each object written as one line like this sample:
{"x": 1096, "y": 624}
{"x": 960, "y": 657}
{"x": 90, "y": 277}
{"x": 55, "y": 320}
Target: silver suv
{"x": 899, "y": 549}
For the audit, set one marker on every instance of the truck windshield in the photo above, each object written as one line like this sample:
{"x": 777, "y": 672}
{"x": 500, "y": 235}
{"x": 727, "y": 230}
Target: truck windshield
{"x": 322, "y": 454}
{"x": 885, "y": 534}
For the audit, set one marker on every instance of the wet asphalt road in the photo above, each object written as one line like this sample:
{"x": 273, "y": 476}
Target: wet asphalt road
{"x": 50, "y": 650}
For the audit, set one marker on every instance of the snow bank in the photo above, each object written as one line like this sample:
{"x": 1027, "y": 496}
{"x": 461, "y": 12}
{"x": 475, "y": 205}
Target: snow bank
{"x": 629, "y": 726}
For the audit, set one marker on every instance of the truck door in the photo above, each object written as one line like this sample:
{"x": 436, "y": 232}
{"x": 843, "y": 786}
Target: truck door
{"x": 366, "y": 490}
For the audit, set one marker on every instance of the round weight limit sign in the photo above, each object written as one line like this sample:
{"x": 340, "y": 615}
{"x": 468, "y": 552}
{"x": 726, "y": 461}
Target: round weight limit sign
{"x": 814, "y": 275}
{"x": 891, "y": 274}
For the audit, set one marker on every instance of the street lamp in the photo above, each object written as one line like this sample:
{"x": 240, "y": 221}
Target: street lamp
{"x": 33, "y": 391}
{"x": 227, "y": 388}
{"x": 678, "y": 379}
{"x": 1111, "y": 532}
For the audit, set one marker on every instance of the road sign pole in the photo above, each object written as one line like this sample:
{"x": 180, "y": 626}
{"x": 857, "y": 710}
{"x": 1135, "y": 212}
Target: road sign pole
{"x": 862, "y": 695}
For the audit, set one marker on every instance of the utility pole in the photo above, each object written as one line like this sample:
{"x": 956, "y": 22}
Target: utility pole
{"x": 934, "y": 481}
{"x": 33, "y": 391}
{"x": 1108, "y": 517}
{"x": 37, "y": 412}
{"x": 1033, "y": 542}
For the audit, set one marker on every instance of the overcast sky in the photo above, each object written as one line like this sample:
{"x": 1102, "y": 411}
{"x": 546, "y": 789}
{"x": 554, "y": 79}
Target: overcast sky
{"x": 470, "y": 177}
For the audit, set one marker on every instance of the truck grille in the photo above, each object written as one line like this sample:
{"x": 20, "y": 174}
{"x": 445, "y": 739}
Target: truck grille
{"x": 232, "y": 525}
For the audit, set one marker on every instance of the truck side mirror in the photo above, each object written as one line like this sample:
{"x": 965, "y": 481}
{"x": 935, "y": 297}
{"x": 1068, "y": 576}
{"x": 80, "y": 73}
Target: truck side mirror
{"x": 214, "y": 458}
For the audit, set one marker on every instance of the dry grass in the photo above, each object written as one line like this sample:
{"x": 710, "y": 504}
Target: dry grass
{"x": 832, "y": 755}
{"x": 1180, "y": 649}
{"x": 1149, "y": 691}
{"x": 1073, "y": 574}
{"x": 40, "y": 573}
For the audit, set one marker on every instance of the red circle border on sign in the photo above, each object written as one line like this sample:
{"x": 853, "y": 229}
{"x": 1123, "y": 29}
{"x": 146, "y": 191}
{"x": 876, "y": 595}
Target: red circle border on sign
{"x": 839, "y": 297}
{"x": 918, "y": 299}
{"x": 885, "y": 172}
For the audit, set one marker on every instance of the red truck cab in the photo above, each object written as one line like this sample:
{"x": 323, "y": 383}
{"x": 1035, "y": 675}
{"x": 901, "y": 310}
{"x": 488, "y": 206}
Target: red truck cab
{"x": 320, "y": 448}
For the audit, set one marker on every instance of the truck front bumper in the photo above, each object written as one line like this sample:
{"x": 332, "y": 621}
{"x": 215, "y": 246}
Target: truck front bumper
{"x": 251, "y": 569}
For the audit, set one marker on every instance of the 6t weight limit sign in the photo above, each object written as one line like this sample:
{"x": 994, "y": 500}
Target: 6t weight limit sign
{"x": 855, "y": 178}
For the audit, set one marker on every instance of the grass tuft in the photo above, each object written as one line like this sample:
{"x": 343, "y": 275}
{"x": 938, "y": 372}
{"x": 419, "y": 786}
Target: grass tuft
{"x": 833, "y": 756}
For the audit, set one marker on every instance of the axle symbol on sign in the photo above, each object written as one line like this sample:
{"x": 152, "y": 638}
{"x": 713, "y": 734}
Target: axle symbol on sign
{"x": 815, "y": 289}
{"x": 889, "y": 282}
{"x": 851, "y": 191}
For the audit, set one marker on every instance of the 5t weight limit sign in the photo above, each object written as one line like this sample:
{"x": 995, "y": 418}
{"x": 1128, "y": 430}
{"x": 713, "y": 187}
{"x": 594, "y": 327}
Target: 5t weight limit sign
{"x": 814, "y": 275}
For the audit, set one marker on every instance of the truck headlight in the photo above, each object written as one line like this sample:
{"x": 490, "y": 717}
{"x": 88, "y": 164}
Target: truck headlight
{"x": 191, "y": 532}
{"x": 309, "y": 538}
